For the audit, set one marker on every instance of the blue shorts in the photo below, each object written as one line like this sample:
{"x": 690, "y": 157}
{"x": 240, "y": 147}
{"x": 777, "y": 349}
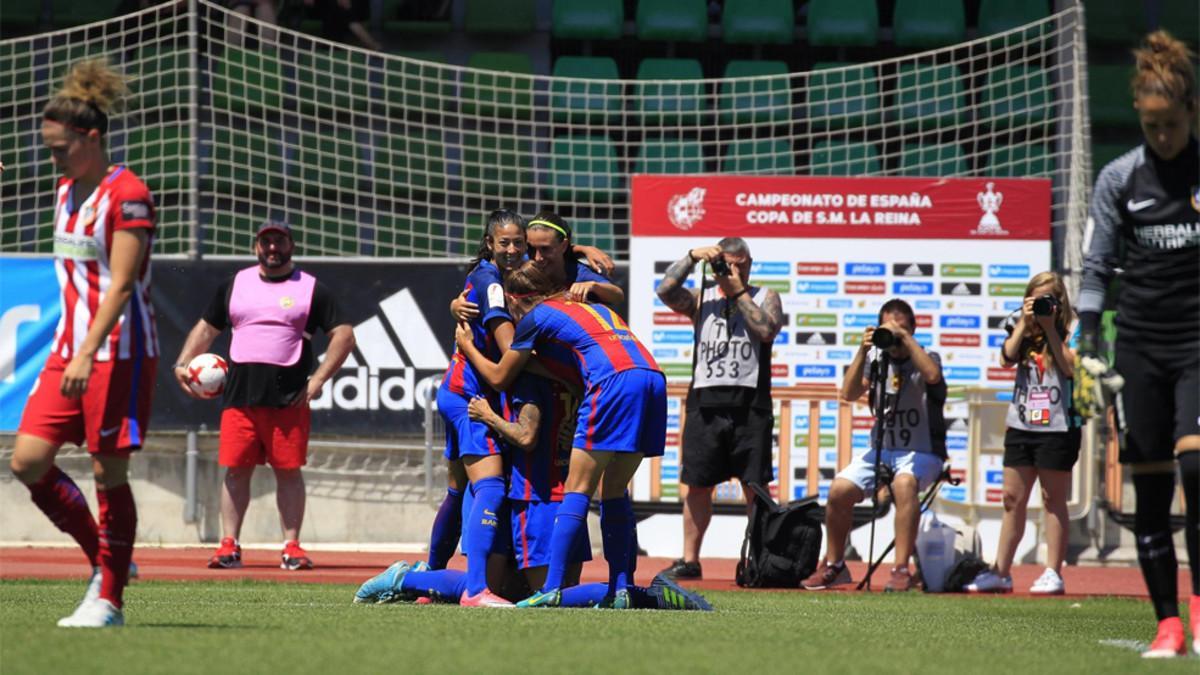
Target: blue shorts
{"x": 532, "y": 529}
{"x": 924, "y": 466}
{"x": 464, "y": 436}
{"x": 625, "y": 412}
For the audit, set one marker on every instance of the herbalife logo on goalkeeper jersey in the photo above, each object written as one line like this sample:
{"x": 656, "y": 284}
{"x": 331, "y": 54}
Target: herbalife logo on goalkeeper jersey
{"x": 384, "y": 378}
{"x": 684, "y": 211}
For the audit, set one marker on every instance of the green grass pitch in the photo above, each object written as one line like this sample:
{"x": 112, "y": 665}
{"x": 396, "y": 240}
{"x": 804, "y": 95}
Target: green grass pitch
{"x": 250, "y": 627}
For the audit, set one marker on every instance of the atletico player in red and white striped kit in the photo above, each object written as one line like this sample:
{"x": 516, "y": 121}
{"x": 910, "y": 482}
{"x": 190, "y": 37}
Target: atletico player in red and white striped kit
{"x": 96, "y": 386}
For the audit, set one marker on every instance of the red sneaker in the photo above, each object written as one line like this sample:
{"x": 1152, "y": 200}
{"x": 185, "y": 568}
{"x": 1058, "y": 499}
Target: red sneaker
{"x": 294, "y": 557}
{"x": 1169, "y": 642}
{"x": 484, "y": 598}
{"x": 1194, "y": 619}
{"x": 228, "y": 555}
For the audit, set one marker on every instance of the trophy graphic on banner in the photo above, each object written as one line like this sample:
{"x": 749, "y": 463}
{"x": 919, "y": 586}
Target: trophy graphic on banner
{"x": 989, "y": 201}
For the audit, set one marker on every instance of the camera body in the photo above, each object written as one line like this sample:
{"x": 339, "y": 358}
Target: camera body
{"x": 1045, "y": 305}
{"x": 883, "y": 338}
{"x": 720, "y": 267}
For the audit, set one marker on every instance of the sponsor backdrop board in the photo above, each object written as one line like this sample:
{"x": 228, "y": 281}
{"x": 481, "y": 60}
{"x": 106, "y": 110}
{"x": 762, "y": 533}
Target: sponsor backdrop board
{"x": 958, "y": 250}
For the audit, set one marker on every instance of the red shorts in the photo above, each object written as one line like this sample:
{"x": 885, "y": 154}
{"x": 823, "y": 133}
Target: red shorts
{"x": 112, "y": 416}
{"x": 264, "y": 435}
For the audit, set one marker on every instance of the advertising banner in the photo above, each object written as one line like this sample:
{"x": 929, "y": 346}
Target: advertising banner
{"x": 960, "y": 251}
{"x": 29, "y": 312}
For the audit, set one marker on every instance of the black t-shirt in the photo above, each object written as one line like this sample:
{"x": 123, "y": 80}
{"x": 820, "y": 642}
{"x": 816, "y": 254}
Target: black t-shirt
{"x": 262, "y": 384}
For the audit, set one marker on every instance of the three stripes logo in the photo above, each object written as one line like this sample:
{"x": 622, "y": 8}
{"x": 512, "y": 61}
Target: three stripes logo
{"x": 392, "y": 349}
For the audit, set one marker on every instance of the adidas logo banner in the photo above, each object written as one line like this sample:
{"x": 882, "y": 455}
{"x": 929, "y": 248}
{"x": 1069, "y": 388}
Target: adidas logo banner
{"x": 402, "y": 325}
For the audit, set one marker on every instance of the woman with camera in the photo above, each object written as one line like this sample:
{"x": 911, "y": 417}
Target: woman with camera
{"x": 1145, "y": 214}
{"x": 1042, "y": 440}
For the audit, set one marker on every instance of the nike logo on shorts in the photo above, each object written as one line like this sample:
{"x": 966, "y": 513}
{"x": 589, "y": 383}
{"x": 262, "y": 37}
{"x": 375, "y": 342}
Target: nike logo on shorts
{"x": 105, "y": 433}
{"x": 1138, "y": 206}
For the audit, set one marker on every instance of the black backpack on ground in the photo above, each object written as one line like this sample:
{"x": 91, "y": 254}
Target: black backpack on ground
{"x": 782, "y": 543}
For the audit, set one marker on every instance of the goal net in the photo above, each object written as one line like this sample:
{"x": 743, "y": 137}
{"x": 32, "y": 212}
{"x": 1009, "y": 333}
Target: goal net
{"x": 378, "y": 155}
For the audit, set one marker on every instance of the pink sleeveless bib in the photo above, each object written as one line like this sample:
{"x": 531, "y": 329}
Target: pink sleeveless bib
{"x": 268, "y": 318}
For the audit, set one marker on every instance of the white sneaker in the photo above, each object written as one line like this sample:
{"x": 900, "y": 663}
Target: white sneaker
{"x": 93, "y": 588}
{"x": 988, "y": 581}
{"x": 1050, "y": 583}
{"x": 95, "y": 613}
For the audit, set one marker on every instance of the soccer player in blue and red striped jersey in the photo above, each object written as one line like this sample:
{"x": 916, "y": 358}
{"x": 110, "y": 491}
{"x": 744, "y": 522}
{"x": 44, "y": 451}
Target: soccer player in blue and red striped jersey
{"x": 621, "y": 419}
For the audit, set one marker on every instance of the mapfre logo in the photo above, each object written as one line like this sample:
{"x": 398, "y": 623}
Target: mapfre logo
{"x": 684, "y": 211}
{"x": 989, "y": 201}
{"x": 386, "y": 379}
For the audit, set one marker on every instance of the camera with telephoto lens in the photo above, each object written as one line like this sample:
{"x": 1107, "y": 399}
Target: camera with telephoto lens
{"x": 720, "y": 267}
{"x": 883, "y": 338}
{"x": 1045, "y": 305}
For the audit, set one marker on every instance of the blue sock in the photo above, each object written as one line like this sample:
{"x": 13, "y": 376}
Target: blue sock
{"x": 445, "y": 585}
{"x": 482, "y": 528}
{"x": 583, "y": 595}
{"x": 447, "y": 528}
{"x": 570, "y": 521}
{"x": 616, "y": 523}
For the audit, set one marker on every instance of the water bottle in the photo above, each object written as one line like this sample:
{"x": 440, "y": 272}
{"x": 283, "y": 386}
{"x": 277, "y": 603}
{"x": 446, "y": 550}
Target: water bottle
{"x": 935, "y": 551}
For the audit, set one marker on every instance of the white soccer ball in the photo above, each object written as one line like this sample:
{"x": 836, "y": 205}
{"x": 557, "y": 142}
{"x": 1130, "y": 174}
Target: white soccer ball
{"x": 206, "y": 375}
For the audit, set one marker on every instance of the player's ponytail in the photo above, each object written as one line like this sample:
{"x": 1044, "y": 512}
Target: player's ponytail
{"x": 1164, "y": 68}
{"x": 495, "y": 219}
{"x": 91, "y": 91}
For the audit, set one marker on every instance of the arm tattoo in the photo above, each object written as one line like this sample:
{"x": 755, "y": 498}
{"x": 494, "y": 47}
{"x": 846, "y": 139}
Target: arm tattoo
{"x": 671, "y": 290}
{"x": 764, "y": 322}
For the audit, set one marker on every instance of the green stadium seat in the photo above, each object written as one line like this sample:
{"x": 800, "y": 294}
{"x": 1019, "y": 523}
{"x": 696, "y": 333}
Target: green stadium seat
{"x": 497, "y": 165}
{"x": 1103, "y": 153}
{"x": 245, "y": 81}
{"x": 1019, "y": 161}
{"x": 662, "y": 99}
{"x": 588, "y": 19}
{"x": 922, "y": 159}
{"x": 507, "y": 93}
{"x": 762, "y": 156}
{"x": 403, "y": 235}
{"x": 584, "y": 169}
{"x": 245, "y": 161}
{"x": 842, "y": 96}
{"x": 759, "y": 22}
{"x": 419, "y": 81}
{"x": 669, "y": 155}
{"x": 392, "y": 22}
{"x": 843, "y": 23}
{"x": 1120, "y": 24}
{"x": 79, "y": 13}
{"x": 1016, "y": 96}
{"x": 328, "y": 160}
{"x": 408, "y": 160}
{"x": 844, "y": 158}
{"x": 1182, "y": 19}
{"x": 332, "y": 80}
{"x": 1109, "y": 97}
{"x": 997, "y": 16}
{"x": 160, "y": 77}
{"x": 159, "y": 155}
{"x": 672, "y": 20}
{"x": 500, "y": 16}
{"x": 598, "y": 233}
{"x": 758, "y": 101}
{"x": 928, "y": 23}
{"x": 929, "y": 96}
{"x": 579, "y": 101}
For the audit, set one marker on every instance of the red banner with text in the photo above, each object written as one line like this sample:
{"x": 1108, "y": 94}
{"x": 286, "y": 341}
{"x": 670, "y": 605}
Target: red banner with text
{"x": 842, "y": 208}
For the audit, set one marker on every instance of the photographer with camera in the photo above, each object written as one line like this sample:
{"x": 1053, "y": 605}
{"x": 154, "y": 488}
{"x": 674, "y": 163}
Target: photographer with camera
{"x": 729, "y": 421}
{"x": 1043, "y": 437}
{"x": 911, "y": 439}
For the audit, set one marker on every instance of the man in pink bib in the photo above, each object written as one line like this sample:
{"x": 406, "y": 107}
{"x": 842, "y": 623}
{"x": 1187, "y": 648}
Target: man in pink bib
{"x": 273, "y": 309}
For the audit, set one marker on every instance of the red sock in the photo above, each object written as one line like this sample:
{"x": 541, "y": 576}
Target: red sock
{"x": 60, "y": 499}
{"x": 118, "y": 527}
